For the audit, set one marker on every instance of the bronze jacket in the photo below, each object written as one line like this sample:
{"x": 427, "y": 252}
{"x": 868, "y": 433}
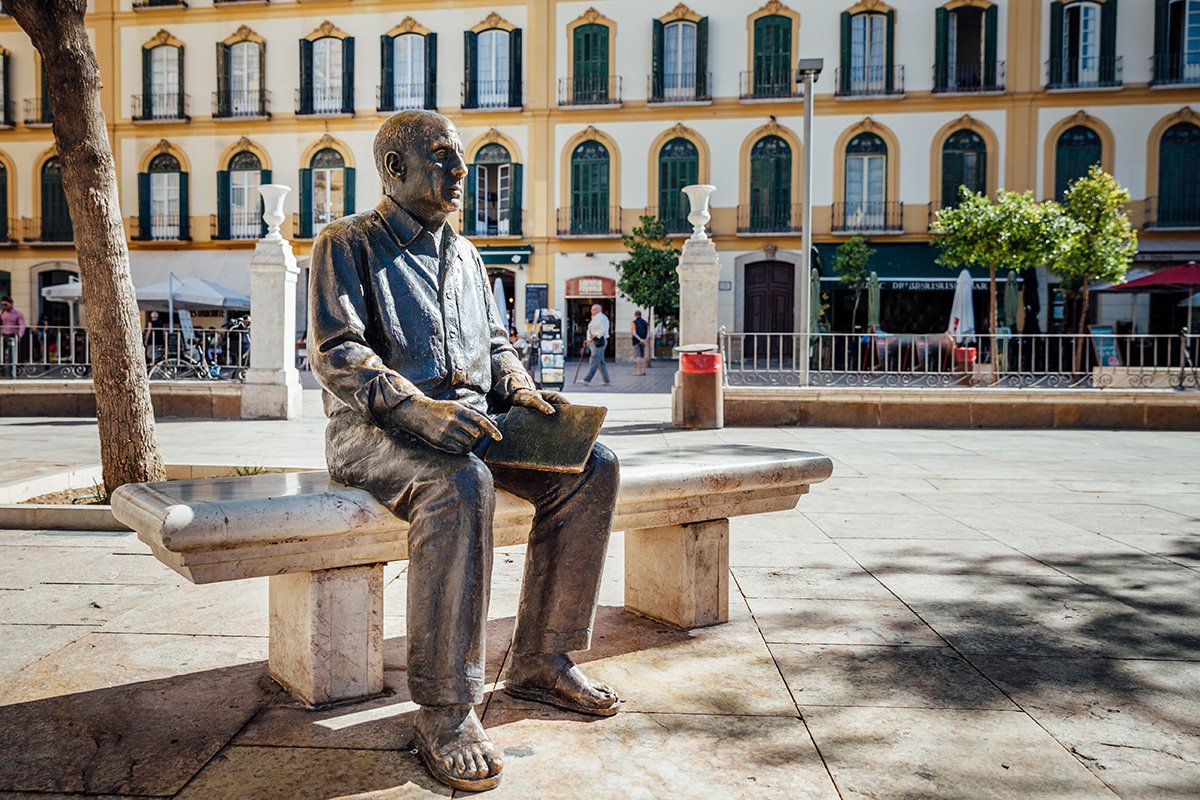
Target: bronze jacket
{"x": 386, "y": 323}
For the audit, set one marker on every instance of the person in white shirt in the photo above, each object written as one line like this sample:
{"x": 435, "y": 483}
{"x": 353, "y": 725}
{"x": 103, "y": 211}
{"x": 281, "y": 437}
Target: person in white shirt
{"x": 597, "y": 339}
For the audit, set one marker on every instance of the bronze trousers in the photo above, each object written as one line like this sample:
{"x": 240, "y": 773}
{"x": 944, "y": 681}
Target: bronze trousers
{"x": 448, "y": 501}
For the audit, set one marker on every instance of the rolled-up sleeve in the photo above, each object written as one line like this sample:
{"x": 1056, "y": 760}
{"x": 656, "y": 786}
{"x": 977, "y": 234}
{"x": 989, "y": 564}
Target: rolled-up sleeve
{"x": 341, "y": 359}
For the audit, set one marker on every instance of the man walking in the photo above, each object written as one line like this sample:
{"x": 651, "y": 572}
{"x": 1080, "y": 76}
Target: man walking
{"x": 641, "y": 332}
{"x": 12, "y": 329}
{"x": 597, "y": 339}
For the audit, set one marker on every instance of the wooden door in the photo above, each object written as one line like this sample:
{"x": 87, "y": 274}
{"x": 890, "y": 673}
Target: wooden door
{"x": 770, "y": 307}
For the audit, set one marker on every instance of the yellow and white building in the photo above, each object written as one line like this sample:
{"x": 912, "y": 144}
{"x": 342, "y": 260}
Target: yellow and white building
{"x": 577, "y": 117}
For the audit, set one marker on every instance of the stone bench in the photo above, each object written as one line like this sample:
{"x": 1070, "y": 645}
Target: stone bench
{"x": 324, "y": 544}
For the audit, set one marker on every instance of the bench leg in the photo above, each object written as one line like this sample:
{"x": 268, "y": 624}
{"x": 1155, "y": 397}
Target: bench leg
{"x": 326, "y": 642}
{"x": 679, "y": 573}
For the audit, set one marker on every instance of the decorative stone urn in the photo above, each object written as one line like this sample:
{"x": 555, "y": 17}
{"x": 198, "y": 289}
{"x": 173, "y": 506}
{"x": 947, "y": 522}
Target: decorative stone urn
{"x": 698, "y": 195}
{"x": 273, "y": 195}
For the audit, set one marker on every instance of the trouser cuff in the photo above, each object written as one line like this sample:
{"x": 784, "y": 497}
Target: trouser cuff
{"x": 445, "y": 691}
{"x": 549, "y": 641}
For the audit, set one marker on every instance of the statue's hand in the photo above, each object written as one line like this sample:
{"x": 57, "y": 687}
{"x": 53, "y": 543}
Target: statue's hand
{"x": 445, "y": 424}
{"x": 539, "y": 400}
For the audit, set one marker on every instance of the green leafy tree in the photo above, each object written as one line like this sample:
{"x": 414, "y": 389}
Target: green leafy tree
{"x": 1098, "y": 241}
{"x": 1014, "y": 232}
{"x": 648, "y": 276}
{"x": 853, "y": 262}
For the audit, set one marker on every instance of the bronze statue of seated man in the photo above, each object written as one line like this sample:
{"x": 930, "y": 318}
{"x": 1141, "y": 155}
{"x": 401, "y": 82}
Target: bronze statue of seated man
{"x": 405, "y": 339}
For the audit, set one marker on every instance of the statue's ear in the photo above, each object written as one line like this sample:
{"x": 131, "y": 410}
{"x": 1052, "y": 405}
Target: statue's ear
{"x": 395, "y": 165}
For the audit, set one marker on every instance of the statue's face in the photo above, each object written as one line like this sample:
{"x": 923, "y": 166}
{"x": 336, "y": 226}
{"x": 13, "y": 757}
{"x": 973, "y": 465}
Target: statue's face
{"x": 430, "y": 171}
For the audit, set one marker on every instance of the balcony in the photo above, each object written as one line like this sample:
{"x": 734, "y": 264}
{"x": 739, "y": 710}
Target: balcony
{"x": 1172, "y": 213}
{"x": 244, "y": 226}
{"x": 769, "y": 218}
{"x": 682, "y": 88}
{"x": 8, "y": 114}
{"x": 45, "y": 230}
{"x": 248, "y": 104}
{"x": 769, "y": 85}
{"x": 161, "y": 107}
{"x": 163, "y": 228}
{"x": 589, "y": 221}
{"x": 674, "y": 219}
{"x": 604, "y": 90}
{"x": 325, "y": 103}
{"x": 869, "y": 81}
{"x": 488, "y": 94}
{"x": 1175, "y": 69}
{"x": 1102, "y": 72}
{"x": 10, "y": 229}
{"x": 874, "y": 216}
{"x": 142, "y": 5}
{"x": 404, "y": 97}
{"x": 39, "y": 112}
{"x": 968, "y": 77}
{"x": 509, "y": 225}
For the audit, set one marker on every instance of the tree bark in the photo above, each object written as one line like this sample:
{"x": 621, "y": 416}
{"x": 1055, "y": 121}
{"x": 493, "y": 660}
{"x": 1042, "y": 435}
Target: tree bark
{"x": 128, "y": 446}
{"x": 1079, "y": 333}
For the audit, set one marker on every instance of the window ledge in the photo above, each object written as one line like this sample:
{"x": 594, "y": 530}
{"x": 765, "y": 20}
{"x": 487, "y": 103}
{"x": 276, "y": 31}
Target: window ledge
{"x": 160, "y": 120}
{"x": 752, "y": 234}
{"x": 7, "y": 126}
{"x": 591, "y": 235}
{"x": 878, "y": 96}
{"x": 158, "y": 243}
{"x": 791, "y": 98}
{"x": 1067, "y": 89}
{"x": 1188, "y": 228}
{"x": 871, "y": 232}
{"x": 1179, "y": 84}
{"x": 40, "y": 243}
{"x": 588, "y": 106}
{"x": 505, "y": 236}
{"x": 970, "y": 92}
{"x": 37, "y": 124}
{"x": 492, "y": 110}
{"x": 243, "y": 118}
{"x": 678, "y": 103}
{"x": 324, "y": 114}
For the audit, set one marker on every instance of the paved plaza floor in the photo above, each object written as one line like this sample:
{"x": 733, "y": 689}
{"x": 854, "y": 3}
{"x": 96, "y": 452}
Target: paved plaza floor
{"x": 956, "y": 614}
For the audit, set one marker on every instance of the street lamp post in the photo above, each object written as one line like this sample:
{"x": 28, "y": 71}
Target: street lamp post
{"x": 807, "y": 70}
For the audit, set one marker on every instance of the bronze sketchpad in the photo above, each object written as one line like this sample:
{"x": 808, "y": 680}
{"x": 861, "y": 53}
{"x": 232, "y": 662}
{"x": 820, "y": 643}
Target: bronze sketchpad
{"x": 559, "y": 443}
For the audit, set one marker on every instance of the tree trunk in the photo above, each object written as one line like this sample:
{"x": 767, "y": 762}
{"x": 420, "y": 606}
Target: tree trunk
{"x": 854, "y": 311}
{"x": 992, "y": 311}
{"x": 1080, "y": 337}
{"x": 128, "y": 446}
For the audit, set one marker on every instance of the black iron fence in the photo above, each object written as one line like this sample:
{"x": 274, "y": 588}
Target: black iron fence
{"x": 1173, "y": 212}
{"x": 48, "y": 230}
{"x": 869, "y": 81}
{"x": 593, "y": 90}
{"x": 769, "y": 218}
{"x": 674, "y": 218}
{"x": 160, "y": 106}
{"x": 241, "y": 103}
{"x": 1085, "y": 72}
{"x": 968, "y": 76}
{"x": 589, "y": 221}
{"x": 872, "y": 216}
{"x": 683, "y": 87}
{"x": 38, "y": 111}
{"x": 769, "y": 84}
{"x": 1175, "y": 68}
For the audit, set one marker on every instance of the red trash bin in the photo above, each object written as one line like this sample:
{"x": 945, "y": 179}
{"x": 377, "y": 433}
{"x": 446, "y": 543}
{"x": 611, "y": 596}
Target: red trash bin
{"x": 702, "y": 401}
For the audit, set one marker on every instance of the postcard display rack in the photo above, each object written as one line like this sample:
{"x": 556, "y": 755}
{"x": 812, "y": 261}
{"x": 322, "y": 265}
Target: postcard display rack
{"x": 550, "y": 363}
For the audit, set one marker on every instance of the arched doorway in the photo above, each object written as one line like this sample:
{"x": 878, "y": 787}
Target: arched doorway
{"x": 581, "y": 294}
{"x": 54, "y": 273}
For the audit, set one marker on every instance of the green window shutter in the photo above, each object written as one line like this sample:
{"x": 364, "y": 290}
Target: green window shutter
{"x": 182, "y": 110}
{"x": 890, "y": 63}
{"x": 349, "y": 205}
{"x": 7, "y": 111}
{"x": 4, "y": 203}
{"x": 591, "y": 64}
{"x": 991, "y": 25}
{"x": 431, "y": 71}
{"x": 515, "y": 192}
{"x": 1162, "y": 42}
{"x": 306, "y": 204}
{"x": 515, "y": 99}
{"x": 185, "y": 220}
{"x": 264, "y": 177}
{"x": 844, "y": 73}
{"x": 702, "y": 58}
{"x": 147, "y": 83}
{"x": 306, "y": 77}
{"x": 470, "y": 70}
{"x": 657, "y": 47}
{"x": 1108, "y": 42}
{"x": 952, "y": 177}
{"x": 772, "y": 56}
{"x": 223, "y": 80}
{"x": 941, "y": 58}
{"x": 348, "y": 75}
{"x": 47, "y": 103}
{"x": 469, "y": 199}
{"x": 224, "y": 204}
{"x": 387, "y": 73}
{"x": 143, "y": 206}
{"x": 1058, "y": 62}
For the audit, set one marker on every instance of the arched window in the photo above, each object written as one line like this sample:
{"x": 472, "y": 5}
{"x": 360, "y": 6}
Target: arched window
{"x": 163, "y": 200}
{"x": 866, "y": 183}
{"x": 409, "y": 63}
{"x": 770, "y": 185}
{"x": 240, "y": 80}
{"x": 56, "y": 219}
{"x": 493, "y": 69}
{"x": 327, "y": 75}
{"x": 162, "y": 83}
{"x": 1179, "y": 176}
{"x": 678, "y": 166}
{"x": 589, "y": 188}
{"x": 239, "y": 206}
{"x": 867, "y": 63}
{"x": 1083, "y": 43}
{"x": 772, "y": 56}
{"x": 493, "y": 193}
{"x": 590, "y": 84}
{"x": 964, "y": 166}
{"x": 966, "y": 49}
{"x": 327, "y": 191}
{"x": 1078, "y": 148}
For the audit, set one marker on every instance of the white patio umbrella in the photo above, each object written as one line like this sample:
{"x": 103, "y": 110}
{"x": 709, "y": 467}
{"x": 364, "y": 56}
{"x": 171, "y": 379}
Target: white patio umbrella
{"x": 501, "y": 305}
{"x": 962, "y": 310}
{"x": 70, "y": 293}
{"x": 192, "y": 292}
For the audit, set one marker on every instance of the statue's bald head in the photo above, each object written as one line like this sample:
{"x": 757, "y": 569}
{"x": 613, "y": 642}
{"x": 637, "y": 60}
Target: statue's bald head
{"x": 404, "y": 131}
{"x": 420, "y": 161}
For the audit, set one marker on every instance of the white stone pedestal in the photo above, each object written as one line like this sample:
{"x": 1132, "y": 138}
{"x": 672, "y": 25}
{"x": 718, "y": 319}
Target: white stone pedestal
{"x": 272, "y": 388}
{"x": 698, "y": 270}
{"x": 679, "y": 573}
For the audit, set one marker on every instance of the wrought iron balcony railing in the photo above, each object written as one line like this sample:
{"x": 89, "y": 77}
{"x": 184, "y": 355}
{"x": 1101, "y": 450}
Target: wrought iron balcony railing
{"x": 1093, "y": 72}
{"x": 247, "y": 104}
{"x": 139, "y": 5}
{"x": 10, "y": 230}
{"x": 869, "y": 81}
{"x": 405, "y": 96}
{"x": 873, "y": 216}
{"x": 772, "y": 84}
{"x": 1175, "y": 69}
{"x": 674, "y": 218}
{"x": 599, "y": 90}
{"x": 38, "y": 111}
{"x": 1173, "y": 212}
{"x": 160, "y": 107}
{"x": 968, "y": 76}
{"x": 488, "y": 94}
{"x": 589, "y": 221}
{"x": 769, "y": 218}
{"x": 162, "y": 228}
{"x": 507, "y": 226}
{"x": 242, "y": 226}
{"x": 686, "y": 87}
{"x": 325, "y": 102}
{"x": 48, "y": 230}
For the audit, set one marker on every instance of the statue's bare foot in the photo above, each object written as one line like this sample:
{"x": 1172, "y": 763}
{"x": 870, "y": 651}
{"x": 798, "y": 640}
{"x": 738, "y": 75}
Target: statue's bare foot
{"x": 456, "y": 749}
{"x": 554, "y": 679}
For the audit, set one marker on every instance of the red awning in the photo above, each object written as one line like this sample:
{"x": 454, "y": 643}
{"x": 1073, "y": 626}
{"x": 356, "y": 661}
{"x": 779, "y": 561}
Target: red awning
{"x": 1179, "y": 278}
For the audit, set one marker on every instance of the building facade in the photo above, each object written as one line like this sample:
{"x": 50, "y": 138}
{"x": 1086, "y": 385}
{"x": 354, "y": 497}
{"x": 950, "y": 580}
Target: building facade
{"x": 579, "y": 117}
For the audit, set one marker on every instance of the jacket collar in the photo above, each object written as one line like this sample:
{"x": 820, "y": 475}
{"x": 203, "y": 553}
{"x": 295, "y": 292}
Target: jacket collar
{"x": 404, "y": 226}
